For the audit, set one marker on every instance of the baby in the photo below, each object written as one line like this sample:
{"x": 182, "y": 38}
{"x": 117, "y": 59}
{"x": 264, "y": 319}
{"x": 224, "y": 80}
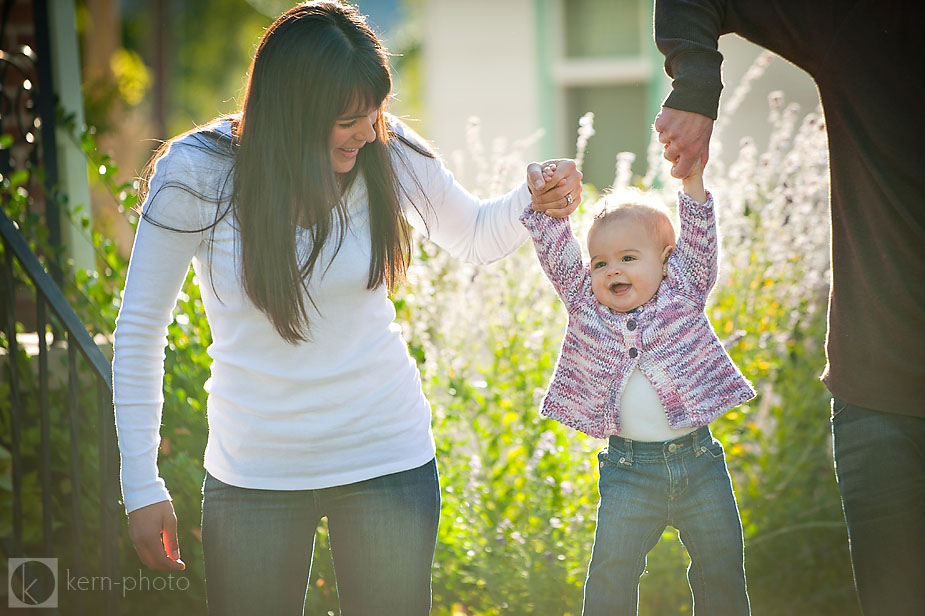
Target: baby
{"x": 641, "y": 365}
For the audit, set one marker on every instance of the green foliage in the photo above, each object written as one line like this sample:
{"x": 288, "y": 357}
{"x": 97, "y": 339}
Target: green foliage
{"x": 211, "y": 43}
{"x": 519, "y": 491}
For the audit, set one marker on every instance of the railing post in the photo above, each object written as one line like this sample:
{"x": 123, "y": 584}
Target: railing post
{"x": 41, "y": 325}
{"x": 74, "y": 413}
{"x": 46, "y": 110}
{"x": 109, "y": 502}
{"x": 15, "y": 403}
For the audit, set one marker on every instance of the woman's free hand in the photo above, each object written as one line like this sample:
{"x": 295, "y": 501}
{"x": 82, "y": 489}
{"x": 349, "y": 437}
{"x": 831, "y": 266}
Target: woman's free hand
{"x": 153, "y": 531}
{"x": 555, "y": 186}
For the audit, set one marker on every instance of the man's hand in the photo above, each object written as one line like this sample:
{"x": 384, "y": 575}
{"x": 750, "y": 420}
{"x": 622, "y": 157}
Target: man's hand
{"x": 555, "y": 186}
{"x": 153, "y": 530}
{"x": 686, "y": 137}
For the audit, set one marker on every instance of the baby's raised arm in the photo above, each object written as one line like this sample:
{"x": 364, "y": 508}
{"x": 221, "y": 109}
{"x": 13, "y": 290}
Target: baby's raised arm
{"x": 697, "y": 249}
{"x": 559, "y": 253}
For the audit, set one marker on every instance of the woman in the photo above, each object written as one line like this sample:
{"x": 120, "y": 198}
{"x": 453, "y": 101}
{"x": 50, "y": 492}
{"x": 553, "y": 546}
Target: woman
{"x": 295, "y": 214}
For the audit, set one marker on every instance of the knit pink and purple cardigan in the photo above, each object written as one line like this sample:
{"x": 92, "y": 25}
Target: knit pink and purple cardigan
{"x": 669, "y": 337}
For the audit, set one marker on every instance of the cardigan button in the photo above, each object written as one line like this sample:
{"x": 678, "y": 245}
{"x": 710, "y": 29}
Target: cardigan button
{"x": 631, "y": 324}
{"x": 633, "y": 352}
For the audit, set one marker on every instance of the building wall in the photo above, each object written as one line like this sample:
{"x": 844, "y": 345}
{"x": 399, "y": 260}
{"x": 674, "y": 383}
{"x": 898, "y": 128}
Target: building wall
{"x": 479, "y": 61}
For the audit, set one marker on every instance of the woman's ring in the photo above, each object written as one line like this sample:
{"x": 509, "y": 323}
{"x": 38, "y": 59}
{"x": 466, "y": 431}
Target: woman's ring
{"x": 568, "y": 198}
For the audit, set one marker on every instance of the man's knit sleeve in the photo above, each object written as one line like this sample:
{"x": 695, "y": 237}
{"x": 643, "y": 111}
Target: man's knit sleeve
{"x": 686, "y": 32}
{"x": 559, "y": 254}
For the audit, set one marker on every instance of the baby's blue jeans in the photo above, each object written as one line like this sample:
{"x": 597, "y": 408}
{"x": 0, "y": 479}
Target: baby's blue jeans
{"x": 646, "y": 487}
{"x": 258, "y": 545}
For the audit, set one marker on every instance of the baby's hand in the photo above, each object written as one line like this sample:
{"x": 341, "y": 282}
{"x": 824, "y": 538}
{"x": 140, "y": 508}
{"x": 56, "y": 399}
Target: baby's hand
{"x": 548, "y": 171}
{"x": 696, "y": 171}
{"x": 555, "y": 187}
{"x": 693, "y": 183}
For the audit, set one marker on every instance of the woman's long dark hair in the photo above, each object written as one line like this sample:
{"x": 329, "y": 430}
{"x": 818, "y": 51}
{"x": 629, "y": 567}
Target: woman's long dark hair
{"x": 316, "y": 62}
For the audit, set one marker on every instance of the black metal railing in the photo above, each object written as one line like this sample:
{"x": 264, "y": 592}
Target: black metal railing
{"x": 58, "y": 464}
{"x": 48, "y": 297}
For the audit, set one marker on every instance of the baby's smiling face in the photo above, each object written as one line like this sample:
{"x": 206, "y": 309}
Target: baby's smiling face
{"x": 627, "y": 263}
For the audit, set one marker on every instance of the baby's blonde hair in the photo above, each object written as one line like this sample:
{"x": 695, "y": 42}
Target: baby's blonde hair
{"x": 632, "y": 204}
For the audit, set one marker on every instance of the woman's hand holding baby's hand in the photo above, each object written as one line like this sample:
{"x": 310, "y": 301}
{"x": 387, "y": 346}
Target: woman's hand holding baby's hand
{"x": 555, "y": 186}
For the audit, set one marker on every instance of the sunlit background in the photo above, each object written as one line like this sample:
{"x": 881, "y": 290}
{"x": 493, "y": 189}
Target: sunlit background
{"x": 526, "y": 69}
{"x": 493, "y": 84}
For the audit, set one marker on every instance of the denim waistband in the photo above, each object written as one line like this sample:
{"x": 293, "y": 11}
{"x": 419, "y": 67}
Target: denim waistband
{"x": 631, "y": 450}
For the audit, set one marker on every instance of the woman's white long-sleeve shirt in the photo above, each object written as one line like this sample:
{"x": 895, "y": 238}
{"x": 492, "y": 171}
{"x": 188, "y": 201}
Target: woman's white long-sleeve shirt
{"x": 343, "y": 407}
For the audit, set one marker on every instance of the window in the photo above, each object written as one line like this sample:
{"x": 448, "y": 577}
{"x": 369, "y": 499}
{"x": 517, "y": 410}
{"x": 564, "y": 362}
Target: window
{"x": 603, "y": 62}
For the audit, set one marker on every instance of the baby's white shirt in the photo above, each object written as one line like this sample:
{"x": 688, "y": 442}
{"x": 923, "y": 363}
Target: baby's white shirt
{"x": 642, "y": 416}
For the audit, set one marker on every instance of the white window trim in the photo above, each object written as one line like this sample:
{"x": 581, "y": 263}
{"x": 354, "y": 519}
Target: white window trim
{"x": 599, "y": 72}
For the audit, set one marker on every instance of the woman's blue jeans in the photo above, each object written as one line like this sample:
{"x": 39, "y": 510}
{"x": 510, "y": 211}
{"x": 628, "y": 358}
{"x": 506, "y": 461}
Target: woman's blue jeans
{"x": 258, "y": 544}
{"x": 880, "y": 464}
{"x": 646, "y": 487}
